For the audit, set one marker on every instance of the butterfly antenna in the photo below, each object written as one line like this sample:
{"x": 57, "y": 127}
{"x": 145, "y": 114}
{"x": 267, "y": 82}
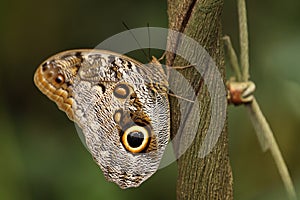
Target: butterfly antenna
{"x": 149, "y": 40}
{"x": 125, "y": 25}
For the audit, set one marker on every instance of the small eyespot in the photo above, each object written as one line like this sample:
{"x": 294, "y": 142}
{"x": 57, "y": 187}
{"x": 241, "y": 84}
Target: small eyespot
{"x": 117, "y": 116}
{"x": 45, "y": 67}
{"x": 60, "y": 79}
{"x": 121, "y": 91}
{"x": 135, "y": 139}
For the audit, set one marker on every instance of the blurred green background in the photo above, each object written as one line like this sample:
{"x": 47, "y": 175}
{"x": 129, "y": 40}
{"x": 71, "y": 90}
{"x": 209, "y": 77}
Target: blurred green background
{"x": 41, "y": 155}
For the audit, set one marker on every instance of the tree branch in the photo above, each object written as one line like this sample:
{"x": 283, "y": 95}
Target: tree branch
{"x": 209, "y": 177}
{"x": 244, "y": 43}
{"x": 261, "y": 126}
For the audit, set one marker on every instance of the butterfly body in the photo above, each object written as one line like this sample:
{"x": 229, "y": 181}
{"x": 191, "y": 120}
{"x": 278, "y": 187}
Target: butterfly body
{"x": 120, "y": 104}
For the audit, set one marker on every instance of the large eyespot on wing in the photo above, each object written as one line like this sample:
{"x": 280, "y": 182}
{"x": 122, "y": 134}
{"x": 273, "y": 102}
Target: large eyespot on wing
{"x": 136, "y": 133}
{"x": 135, "y": 139}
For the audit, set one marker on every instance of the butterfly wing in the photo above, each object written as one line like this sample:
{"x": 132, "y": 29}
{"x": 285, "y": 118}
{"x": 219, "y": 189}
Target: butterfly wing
{"x": 120, "y": 104}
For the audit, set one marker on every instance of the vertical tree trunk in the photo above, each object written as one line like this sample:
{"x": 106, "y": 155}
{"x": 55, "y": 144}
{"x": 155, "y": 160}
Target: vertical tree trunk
{"x": 209, "y": 177}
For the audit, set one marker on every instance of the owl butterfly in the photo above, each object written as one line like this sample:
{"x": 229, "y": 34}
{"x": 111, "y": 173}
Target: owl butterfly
{"x": 121, "y": 106}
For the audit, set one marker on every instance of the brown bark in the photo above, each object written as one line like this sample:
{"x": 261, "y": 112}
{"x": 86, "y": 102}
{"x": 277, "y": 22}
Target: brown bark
{"x": 209, "y": 177}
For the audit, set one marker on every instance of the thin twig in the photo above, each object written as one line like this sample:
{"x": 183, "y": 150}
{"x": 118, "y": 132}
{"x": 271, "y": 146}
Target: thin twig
{"x": 234, "y": 63}
{"x": 244, "y": 43}
{"x": 256, "y": 115}
{"x": 261, "y": 125}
